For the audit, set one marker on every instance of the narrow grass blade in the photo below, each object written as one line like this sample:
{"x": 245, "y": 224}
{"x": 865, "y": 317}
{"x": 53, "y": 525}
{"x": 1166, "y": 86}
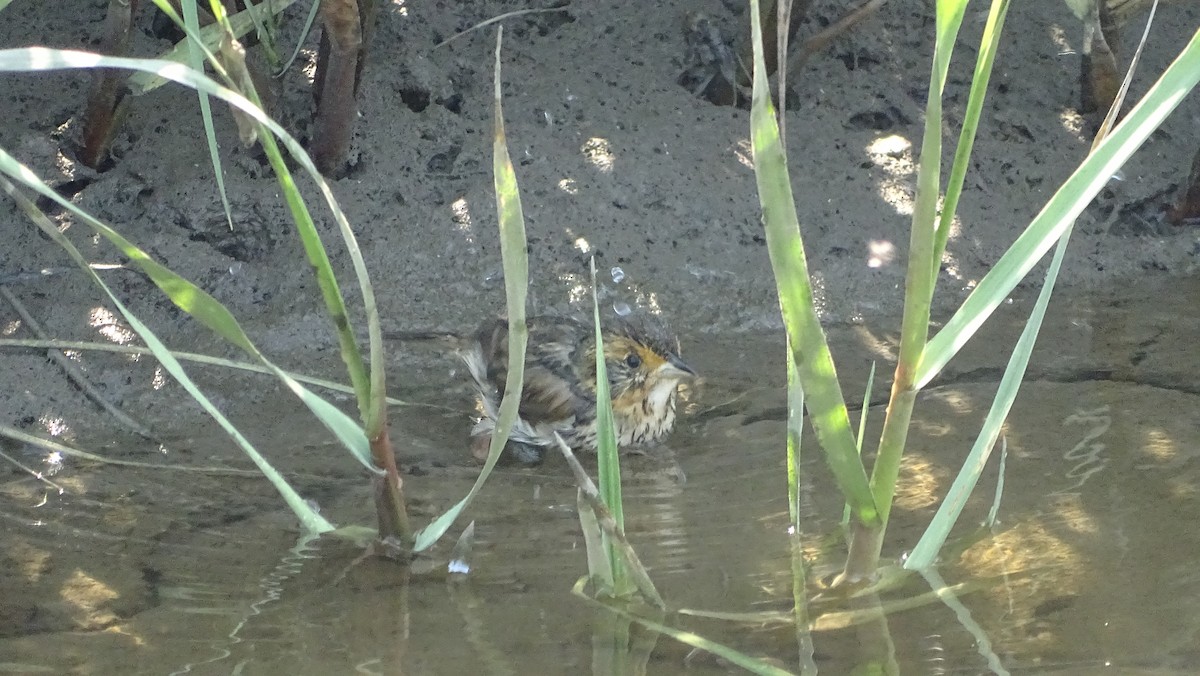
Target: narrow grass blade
{"x": 85, "y": 346}
{"x": 210, "y": 36}
{"x": 599, "y": 565}
{"x": 843, "y": 619}
{"x": 862, "y": 429}
{"x": 795, "y": 433}
{"x": 826, "y": 406}
{"x": 366, "y": 386}
{"x": 800, "y": 612}
{"x": 609, "y": 539}
{"x": 195, "y": 59}
{"x": 516, "y": 283}
{"x": 1062, "y": 209}
{"x": 864, "y": 413}
{"x": 265, "y": 28}
{"x": 312, "y": 521}
{"x": 308, "y": 23}
{"x": 608, "y": 461}
{"x": 763, "y": 618}
{"x": 989, "y": 45}
{"x": 995, "y": 510}
{"x": 924, "y": 554}
{"x": 51, "y": 446}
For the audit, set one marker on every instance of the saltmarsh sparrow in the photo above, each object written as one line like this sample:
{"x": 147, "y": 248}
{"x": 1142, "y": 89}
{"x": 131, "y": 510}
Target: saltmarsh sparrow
{"x": 559, "y": 393}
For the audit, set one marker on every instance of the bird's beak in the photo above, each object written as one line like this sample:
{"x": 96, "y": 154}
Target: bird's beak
{"x": 675, "y": 367}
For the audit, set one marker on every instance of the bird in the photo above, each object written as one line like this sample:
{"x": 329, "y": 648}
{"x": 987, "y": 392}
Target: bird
{"x": 558, "y": 396}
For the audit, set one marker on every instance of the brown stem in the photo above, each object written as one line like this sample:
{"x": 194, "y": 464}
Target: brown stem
{"x": 348, "y": 27}
{"x": 866, "y": 542}
{"x": 107, "y": 96}
{"x": 389, "y": 492}
{"x": 1099, "y": 80}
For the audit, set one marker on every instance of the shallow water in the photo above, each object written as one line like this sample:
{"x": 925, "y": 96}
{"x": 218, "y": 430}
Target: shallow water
{"x": 1091, "y": 566}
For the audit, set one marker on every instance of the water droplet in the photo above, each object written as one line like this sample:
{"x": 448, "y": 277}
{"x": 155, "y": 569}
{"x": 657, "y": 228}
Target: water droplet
{"x": 618, "y": 275}
{"x": 235, "y": 268}
{"x": 621, "y": 308}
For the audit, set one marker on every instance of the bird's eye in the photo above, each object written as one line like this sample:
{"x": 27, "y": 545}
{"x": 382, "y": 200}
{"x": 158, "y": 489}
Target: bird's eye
{"x": 633, "y": 361}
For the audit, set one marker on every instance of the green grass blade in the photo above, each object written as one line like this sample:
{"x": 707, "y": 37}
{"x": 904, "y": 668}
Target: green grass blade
{"x": 863, "y": 414}
{"x": 795, "y": 433}
{"x": 608, "y": 460}
{"x": 826, "y": 406}
{"x": 195, "y": 59}
{"x": 312, "y": 521}
{"x": 800, "y": 610}
{"x": 966, "y": 140}
{"x": 598, "y": 523}
{"x": 85, "y": 346}
{"x": 203, "y": 307}
{"x": 264, "y": 29}
{"x": 308, "y": 24}
{"x": 918, "y": 282}
{"x": 598, "y": 563}
{"x": 922, "y": 247}
{"x": 335, "y": 307}
{"x": 1062, "y": 209}
{"x": 516, "y": 283}
{"x": 208, "y": 36}
{"x": 925, "y": 553}
{"x": 995, "y": 510}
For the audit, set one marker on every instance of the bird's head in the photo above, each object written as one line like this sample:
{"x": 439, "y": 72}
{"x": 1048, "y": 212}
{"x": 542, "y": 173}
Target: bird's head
{"x": 643, "y": 364}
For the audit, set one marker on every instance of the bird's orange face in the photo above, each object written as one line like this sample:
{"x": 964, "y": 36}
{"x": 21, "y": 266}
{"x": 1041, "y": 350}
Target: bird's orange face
{"x": 643, "y": 376}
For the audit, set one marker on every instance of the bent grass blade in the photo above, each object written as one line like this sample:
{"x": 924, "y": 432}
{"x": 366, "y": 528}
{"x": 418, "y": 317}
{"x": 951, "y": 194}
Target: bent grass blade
{"x": 516, "y": 283}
